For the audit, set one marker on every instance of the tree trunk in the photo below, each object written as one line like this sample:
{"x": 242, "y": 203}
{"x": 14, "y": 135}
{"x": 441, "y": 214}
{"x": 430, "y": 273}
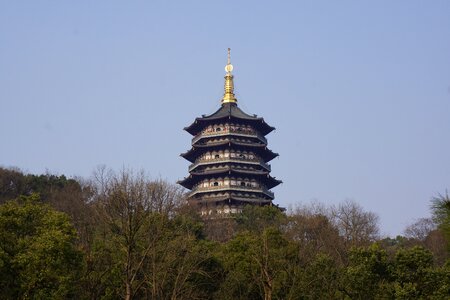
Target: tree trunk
{"x": 128, "y": 291}
{"x": 267, "y": 293}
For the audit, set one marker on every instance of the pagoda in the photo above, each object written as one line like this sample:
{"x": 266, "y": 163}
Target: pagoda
{"x": 229, "y": 157}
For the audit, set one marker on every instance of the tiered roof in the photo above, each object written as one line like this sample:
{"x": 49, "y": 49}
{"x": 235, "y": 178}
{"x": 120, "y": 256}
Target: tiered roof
{"x": 243, "y": 169}
{"x": 229, "y": 111}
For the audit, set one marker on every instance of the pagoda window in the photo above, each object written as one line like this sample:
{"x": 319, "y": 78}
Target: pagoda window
{"x": 215, "y": 183}
{"x": 217, "y": 156}
{"x": 242, "y": 183}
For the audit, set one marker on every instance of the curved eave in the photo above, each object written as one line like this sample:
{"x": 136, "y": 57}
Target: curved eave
{"x": 229, "y": 111}
{"x": 201, "y": 123}
{"x": 231, "y": 198}
{"x": 265, "y": 153}
{"x": 235, "y": 190}
{"x": 232, "y": 170}
{"x": 190, "y": 181}
{"x": 189, "y": 155}
{"x": 254, "y": 137}
{"x": 264, "y": 177}
{"x": 229, "y": 141}
{"x": 186, "y": 182}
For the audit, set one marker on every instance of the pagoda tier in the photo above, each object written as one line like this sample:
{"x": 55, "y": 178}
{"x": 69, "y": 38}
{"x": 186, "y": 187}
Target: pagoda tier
{"x": 224, "y": 171}
{"x": 229, "y": 157}
{"x": 227, "y": 142}
{"x": 229, "y": 112}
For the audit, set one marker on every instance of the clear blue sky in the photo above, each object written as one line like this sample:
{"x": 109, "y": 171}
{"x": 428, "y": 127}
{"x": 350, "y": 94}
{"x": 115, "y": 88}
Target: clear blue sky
{"x": 359, "y": 92}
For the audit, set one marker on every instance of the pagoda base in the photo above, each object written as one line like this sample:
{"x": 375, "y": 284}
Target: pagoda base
{"x": 225, "y": 207}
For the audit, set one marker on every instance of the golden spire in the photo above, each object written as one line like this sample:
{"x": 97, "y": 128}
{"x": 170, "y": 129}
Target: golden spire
{"x": 229, "y": 85}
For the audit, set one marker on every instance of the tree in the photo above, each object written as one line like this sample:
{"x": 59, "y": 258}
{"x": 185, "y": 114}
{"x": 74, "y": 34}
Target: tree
{"x": 440, "y": 207}
{"x": 424, "y": 232}
{"x": 258, "y": 266}
{"x": 356, "y": 226}
{"x": 128, "y": 207}
{"x": 257, "y": 218}
{"x": 147, "y": 244}
{"x": 412, "y": 273}
{"x": 319, "y": 280}
{"x": 420, "y": 229}
{"x": 38, "y": 256}
{"x": 14, "y": 183}
{"x": 313, "y": 231}
{"x": 367, "y": 275}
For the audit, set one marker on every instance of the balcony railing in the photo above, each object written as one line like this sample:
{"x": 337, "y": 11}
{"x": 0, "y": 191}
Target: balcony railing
{"x": 223, "y": 168}
{"x": 233, "y": 187}
{"x": 228, "y": 131}
{"x": 254, "y": 161}
{"x": 211, "y": 143}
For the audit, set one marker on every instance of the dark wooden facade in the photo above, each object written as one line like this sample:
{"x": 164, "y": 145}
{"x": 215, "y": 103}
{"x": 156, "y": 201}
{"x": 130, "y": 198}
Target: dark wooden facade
{"x": 229, "y": 157}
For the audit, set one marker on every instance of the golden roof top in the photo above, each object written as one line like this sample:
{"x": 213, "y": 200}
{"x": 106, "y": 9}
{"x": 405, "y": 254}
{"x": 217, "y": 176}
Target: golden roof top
{"x": 228, "y": 96}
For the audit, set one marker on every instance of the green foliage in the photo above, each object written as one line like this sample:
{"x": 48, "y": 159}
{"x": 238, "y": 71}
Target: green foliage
{"x": 319, "y": 279}
{"x": 440, "y": 207}
{"x": 412, "y": 271}
{"x": 14, "y": 183}
{"x": 367, "y": 273}
{"x": 257, "y": 265}
{"x": 164, "y": 258}
{"x": 257, "y": 218}
{"x": 138, "y": 242}
{"x": 38, "y": 257}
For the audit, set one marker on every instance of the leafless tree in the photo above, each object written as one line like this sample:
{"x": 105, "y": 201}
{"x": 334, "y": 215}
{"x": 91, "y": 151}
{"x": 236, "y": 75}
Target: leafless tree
{"x": 311, "y": 227}
{"x": 156, "y": 254}
{"x": 356, "y": 226}
{"x": 426, "y": 233}
{"x": 420, "y": 229}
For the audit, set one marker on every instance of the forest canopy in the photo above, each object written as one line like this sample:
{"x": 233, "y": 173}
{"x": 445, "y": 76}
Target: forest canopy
{"x": 123, "y": 235}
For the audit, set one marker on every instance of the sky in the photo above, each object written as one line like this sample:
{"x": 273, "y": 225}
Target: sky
{"x": 359, "y": 92}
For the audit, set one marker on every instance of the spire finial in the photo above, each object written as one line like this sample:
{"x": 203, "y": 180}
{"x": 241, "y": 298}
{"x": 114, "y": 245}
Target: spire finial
{"x": 229, "y": 66}
{"x": 229, "y": 85}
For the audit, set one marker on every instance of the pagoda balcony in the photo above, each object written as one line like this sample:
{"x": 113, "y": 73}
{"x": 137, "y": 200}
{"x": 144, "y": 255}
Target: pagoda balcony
{"x": 254, "y": 161}
{"x": 234, "y": 187}
{"x": 227, "y": 141}
{"x": 228, "y": 168}
{"x": 229, "y": 131}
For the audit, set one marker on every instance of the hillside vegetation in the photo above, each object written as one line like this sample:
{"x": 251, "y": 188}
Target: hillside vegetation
{"x": 121, "y": 235}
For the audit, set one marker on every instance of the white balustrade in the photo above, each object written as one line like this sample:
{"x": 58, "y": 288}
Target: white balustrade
{"x": 232, "y": 186}
{"x": 229, "y": 131}
{"x": 254, "y": 161}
